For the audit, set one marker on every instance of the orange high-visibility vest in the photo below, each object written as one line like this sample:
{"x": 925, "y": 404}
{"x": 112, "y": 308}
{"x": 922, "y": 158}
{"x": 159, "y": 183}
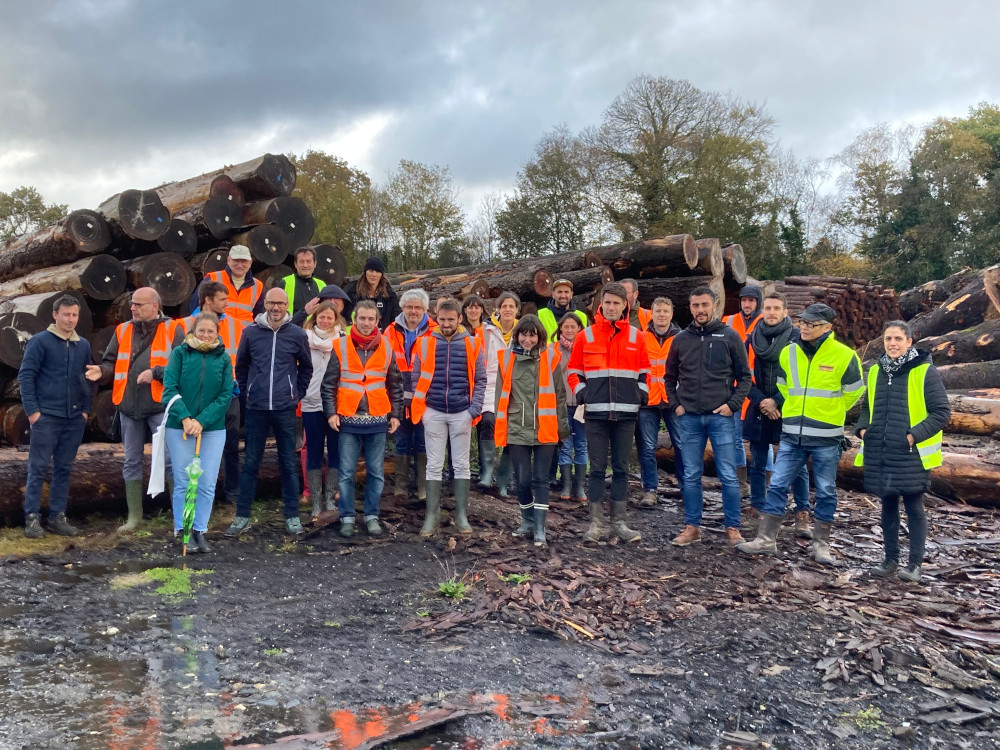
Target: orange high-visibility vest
{"x": 428, "y": 349}
{"x": 159, "y": 352}
{"x": 735, "y": 322}
{"x": 644, "y": 317}
{"x": 548, "y": 414}
{"x": 357, "y": 379}
{"x": 657, "y": 368}
{"x": 230, "y": 331}
{"x": 241, "y": 301}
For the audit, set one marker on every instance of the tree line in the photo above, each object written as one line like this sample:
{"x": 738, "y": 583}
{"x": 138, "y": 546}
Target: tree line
{"x": 900, "y": 205}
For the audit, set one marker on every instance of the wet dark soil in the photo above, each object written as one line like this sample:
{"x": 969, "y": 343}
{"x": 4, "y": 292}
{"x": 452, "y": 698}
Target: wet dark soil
{"x": 280, "y": 639}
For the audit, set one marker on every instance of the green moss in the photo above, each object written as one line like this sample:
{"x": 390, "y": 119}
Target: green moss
{"x": 175, "y": 582}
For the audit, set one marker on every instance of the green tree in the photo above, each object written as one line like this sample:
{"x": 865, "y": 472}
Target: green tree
{"x": 423, "y": 213}
{"x": 23, "y": 210}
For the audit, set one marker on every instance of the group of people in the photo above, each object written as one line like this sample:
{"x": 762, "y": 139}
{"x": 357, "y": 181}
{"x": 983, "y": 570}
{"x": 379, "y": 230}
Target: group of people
{"x": 554, "y": 392}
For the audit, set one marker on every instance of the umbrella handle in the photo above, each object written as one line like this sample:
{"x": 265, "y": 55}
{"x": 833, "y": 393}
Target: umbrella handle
{"x": 197, "y": 446}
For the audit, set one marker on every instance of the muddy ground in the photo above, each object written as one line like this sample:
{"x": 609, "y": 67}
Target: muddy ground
{"x": 653, "y": 646}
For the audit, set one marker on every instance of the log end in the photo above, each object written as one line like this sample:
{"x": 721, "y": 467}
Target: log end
{"x": 331, "y": 265}
{"x": 142, "y": 215}
{"x": 226, "y": 188}
{"x": 88, "y": 230}
{"x": 543, "y": 281}
{"x": 104, "y": 278}
{"x": 180, "y": 238}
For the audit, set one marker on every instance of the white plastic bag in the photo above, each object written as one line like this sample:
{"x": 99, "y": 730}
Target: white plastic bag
{"x": 157, "y": 470}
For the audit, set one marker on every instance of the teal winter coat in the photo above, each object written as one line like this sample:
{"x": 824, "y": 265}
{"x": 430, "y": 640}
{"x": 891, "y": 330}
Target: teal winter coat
{"x": 204, "y": 381}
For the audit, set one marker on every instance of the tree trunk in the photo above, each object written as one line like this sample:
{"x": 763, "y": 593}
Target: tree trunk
{"x": 40, "y": 305}
{"x": 168, "y": 273}
{"x": 972, "y": 304}
{"x": 99, "y": 340}
{"x": 112, "y": 313}
{"x": 16, "y": 330}
{"x": 588, "y": 279}
{"x": 267, "y": 242}
{"x": 102, "y": 414}
{"x": 291, "y": 214}
{"x": 179, "y": 238}
{"x": 180, "y": 196}
{"x": 978, "y": 344}
{"x": 138, "y": 214}
{"x": 926, "y": 297}
{"x": 216, "y": 260}
{"x": 673, "y": 255}
{"x": 974, "y": 414}
{"x": 15, "y": 429}
{"x": 100, "y": 277}
{"x": 217, "y": 217}
{"x": 971, "y": 376}
{"x": 331, "y": 265}
{"x": 79, "y": 234}
{"x": 532, "y": 285}
{"x": 270, "y": 276}
{"x": 735, "y": 265}
{"x": 677, "y": 291}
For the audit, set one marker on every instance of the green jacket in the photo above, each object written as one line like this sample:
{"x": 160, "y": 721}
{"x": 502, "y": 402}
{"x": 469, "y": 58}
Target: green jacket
{"x": 204, "y": 381}
{"x": 522, "y": 414}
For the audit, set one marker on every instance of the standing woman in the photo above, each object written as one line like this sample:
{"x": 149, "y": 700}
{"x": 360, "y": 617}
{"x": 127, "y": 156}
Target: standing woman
{"x": 531, "y": 419}
{"x": 507, "y": 308}
{"x": 375, "y": 286}
{"x": 491, "y": 341}
{"x": 323, "y": 328}
{"x": 572, "y": 450}
{"x": 904, "y": 412}
{"x": 200, "y": 371}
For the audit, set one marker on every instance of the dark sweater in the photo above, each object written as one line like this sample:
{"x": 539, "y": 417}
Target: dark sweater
{"x": 702, "y": 367}
{"x": 51, "y": 376}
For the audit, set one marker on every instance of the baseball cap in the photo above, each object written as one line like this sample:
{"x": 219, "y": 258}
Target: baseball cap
{"x": 240, "y": 252}
{"x": 818, "y": 312}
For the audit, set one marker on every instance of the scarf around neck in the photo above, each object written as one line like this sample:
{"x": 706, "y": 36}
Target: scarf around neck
{"x": 361, "y": 341}
{"x": 892, "y": 366}
{"x": 200, "y": 346}
{"x": 768, "y": 341}
{"x": 322, "y": 340}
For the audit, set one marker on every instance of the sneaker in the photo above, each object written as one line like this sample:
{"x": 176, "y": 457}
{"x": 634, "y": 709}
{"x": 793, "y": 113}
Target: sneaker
{"x": 347, "y": 527}
{"x": 59, "y": 525}
{"x": 648, "y": 500}
{"x": 733, "y": 536}
{"x": 372, "y": 526}
{"x": 33, "y": 526}
{"x": 910, "y": 574}
{"x": 886, "y": 569}
{"x": 238, "y": 526}
{"x": 293, "y": 526}
{"x": 690, "y": 535}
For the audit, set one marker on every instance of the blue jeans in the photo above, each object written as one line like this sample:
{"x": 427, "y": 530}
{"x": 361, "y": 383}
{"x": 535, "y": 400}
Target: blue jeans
{"x": 182, "y": 453}
{"x": 760, "y": 459}
{"x": 52, "y": 439}
{"x": 351, "y": 445}
{"x": 258, "y": 423}
{"x": 695, "y": 431}
{"x": 739, "y": 451}
{"x": 649, "y": 429}
{"x": 791, "y": 459}
{"x": 573, "y": 450}
{"x": 318, "y": 432}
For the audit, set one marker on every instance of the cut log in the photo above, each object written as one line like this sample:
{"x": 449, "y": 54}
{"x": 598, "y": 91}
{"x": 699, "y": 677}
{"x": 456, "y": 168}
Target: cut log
{"x": 967, "y": 307}
{"x": 735, "y": 265}
{"x": 671, "y": 254}
{"x": 217, "y": 217}
{"x": 40, "y": 305}
{"x": 205, "y": 263}
{"x": 270, "y": 276}
{"x": 926, "y": 297}
{"x": 79, "y": 234}
{"x": 168, "y": 273}
{"x": 534, "y": 285}
{"x": 15, "y": 429}
{"x": 971, "y": 376}
{"x": 268, "y": 244}
{"x": 99, "y": 277}
{"x": 974, "y": 415}
{"x": 331, "y": 265}
{"x": 99, "y": 340}
{"x": 112, "y": 313}
{"x": 179, "y": 238}
{"x": 677, "y": 291}
{"x": 180, "y": 196}
{"x": 102, "y": 414}
{"x": 978, "y": 344}
{"x": 291, "y": 214}
{"x": 16, "y": 330}
{"x": 138, "y": 214}
{"x": 588, "y": 279}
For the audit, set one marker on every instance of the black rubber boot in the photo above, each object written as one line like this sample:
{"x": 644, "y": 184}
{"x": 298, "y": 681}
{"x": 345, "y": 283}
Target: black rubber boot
{"x": 540, "y": 516}
{"x": 199, "y": 542}
{"x": 580, "y": 482}
{"x": 527, "y": 522}
{"x": 462, "y": 506}
{"x": 567, "y": 481}
{"x": 504, "y": 472}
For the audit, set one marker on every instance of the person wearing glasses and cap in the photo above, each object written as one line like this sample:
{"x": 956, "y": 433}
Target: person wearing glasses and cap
{"x": 820, "y": 380}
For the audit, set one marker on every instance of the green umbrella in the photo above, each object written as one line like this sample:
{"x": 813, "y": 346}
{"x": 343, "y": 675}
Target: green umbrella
{"x": 193, "y": 471}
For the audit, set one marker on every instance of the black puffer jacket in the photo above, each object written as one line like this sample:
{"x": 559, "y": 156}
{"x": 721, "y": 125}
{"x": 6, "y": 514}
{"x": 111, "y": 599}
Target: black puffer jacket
{"x": 890, "y": 464}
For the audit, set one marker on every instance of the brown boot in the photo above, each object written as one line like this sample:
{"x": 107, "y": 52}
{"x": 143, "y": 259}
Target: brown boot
{"x": 803, "y": 525}
{"x": 733, "y": 536}
{"x": 690, "y": 535}
{"x": 648, "y": 499}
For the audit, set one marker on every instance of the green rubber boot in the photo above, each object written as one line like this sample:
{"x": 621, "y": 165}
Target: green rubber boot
{"x": 133, "y": 498}
{"x": 432, "y": 516}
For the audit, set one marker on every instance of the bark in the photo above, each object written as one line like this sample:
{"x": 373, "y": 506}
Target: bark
{"x": 967, "y": 307}
{"x": 268, "y": 243}
{"x": 179, "y": 238}
{"x": 168, "y": 273}
{"x": 40, "y": 305}
{"x": 978, "y": 344}
{"x": 99, "y": 340}
{"x": 331, "y": 265}
{"x": 926, "y": 297}
{"x": 217, "y": 217}
{"x": 292, "y": 215}
{"x": 15, "y": 429}
{"x": 671, "y": 254}
{"x": 532, "y": 285}
{"x": 100, "y": 277}
{"x": 974, "y": 414}
{"x": 588, "y": 279}
{"x": 16, "y": 330}
{"x": 138, "y": 214}
{"x": 79, "y": 234}
{"x": 971, "y": 376}
{"x": 180, "y": 196}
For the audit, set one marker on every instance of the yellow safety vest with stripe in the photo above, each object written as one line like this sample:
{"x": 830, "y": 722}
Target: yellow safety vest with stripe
{"x": 816, "y": 399}
{"x": 548, "y": 413}
{"x": 290, "y": 290}
{"x": 929, "y": 449}
{"x": 548, "y": 320}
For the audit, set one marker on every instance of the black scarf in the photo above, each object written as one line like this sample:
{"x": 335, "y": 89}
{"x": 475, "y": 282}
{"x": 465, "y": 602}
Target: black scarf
{"x": 768, "y": 341}
{"x": 892, "y": 366}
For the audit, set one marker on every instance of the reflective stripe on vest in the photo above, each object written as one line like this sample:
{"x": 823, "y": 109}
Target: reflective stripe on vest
{"x": 428, "y": 352}
{"x": 546, "y": 408}
{"x": 241, "y": 301}
{"x": 290, "y": 290}
{"x": 929, "y": 450}
{"x": 815, "y": 404}
{"x": 159, "y": 352}
{"x": 358, "y": 380}
{"x": 658, "y": 367}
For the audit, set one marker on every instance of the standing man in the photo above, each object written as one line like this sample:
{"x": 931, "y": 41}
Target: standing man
{"x": 215, "y": 298}
{"x": 273, "y": 370}
{"x": 403, "y": 335}
{"x": 659, "y": 336}
{"x": 638, "y": 316}
{"x": 244, "y": 292}
{"x": 136, "y": 358}
{"x": 57, "y": 398}
{"x": 762, "y": 426}
{"x": 363, "y": 399}
{"x": 707, "y": 377}
{"x": 560, "y": 304}
{"x": 820, "y": 381}
{"x": 449, "y": 371}
{"x": 609, "y": 373}
{"x": 743, "y": 323}
{"x": 302, "y": 289}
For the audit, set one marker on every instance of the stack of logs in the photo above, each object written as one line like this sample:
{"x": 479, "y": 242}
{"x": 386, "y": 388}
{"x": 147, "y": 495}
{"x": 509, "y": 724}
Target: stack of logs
{"x": 168, "y": 238}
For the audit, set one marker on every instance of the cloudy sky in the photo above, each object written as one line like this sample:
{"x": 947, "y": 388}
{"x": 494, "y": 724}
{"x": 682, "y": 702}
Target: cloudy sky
{"x": 102, "y": 95}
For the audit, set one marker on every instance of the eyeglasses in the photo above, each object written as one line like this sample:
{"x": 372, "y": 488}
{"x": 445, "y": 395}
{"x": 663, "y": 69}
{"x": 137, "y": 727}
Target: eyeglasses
{"x": 807, "y": 324}
{"x": 139, "y": 304}
{"x": 268, "y": 303}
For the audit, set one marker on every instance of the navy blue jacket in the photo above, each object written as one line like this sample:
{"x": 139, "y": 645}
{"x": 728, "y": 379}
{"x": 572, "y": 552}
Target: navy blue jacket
{"x": 273, "y": 368}
{"x": 51, "y": 377}
{"x": 449, "y": 389}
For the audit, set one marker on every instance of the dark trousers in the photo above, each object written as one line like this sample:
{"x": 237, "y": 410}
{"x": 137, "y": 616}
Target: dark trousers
{"x": 52, "y": 440}
{"x": 915, "y": 519}
{"x": 532, "y": 478}
{"x": 604, "y": 435}
{"x": 318, "y": 431}
{"x": 259, "y": 423}
{"x": 486, "y": 426}
{"x": 231, "y": 452}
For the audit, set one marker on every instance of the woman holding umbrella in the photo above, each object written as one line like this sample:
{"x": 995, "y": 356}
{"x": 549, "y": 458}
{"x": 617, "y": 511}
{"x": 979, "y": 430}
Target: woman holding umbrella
{"x": 200, "y": 372}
